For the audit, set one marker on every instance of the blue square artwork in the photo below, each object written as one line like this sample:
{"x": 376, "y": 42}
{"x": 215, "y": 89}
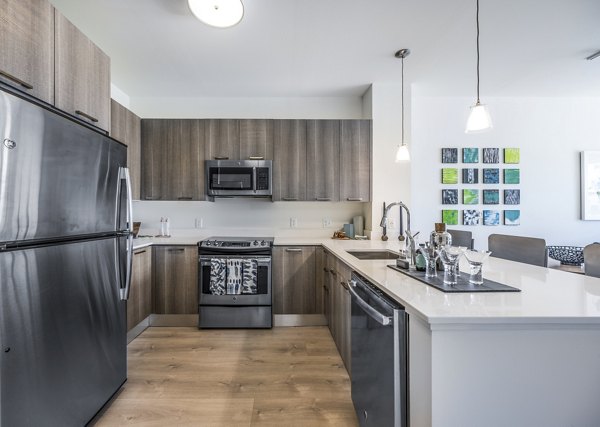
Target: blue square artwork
{"x": 491, "y": 217}
{"x": 491, "y": 155}
{"x": 512, "y": 217}
{"x": 470, "y": 155}
{"x": 470, "y": 217}
{"x": 491, "y": 176}
{"x": 470, "y": 176}
{"x": 512, "y": 197}
{"x": 450, "y": 197}
{"x": 449, "y": 155}
{"x": 491, "y": 197}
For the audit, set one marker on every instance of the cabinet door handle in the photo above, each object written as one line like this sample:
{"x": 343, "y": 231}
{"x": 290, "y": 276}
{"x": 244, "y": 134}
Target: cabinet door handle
{"x": 140, "y": 252}
{"x": 256, "y": 158}
{"x": 290, "y": 199}
{"x": 323, "y": 199}
{"x": 221, "y": 158}
{"x": 344, "y": 285}
{"x": 184, "y": 198}
{"x": 332, "y": 271}
{"x": 325, "y": 270}
{"x": 355, "y": 199}
{"x": 86, "y": 116}
{"x": 16, "y": 80}
{"x": 176, "y": 250}
{"x": 293, "y": 250}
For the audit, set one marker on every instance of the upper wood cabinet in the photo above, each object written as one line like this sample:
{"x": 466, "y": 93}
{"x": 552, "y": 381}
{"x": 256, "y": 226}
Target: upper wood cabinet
{"x": 126, "y": 128}
{"x": 82, "y": 75}
{"x": 294, "y": 280}
{"x": 222, "y": 139}
{"x": 175, "y": 279}
{"x": 139, "y": 304}
{"x": 355, "y": 161}
{"x": 289, "y": 164}
{"x": 27, "y": 46}
{"x": 323, "y": 160}
{"x": 256, "y": 139}
{"x": 173, "y": 159}
{"x": 239, "y": 139}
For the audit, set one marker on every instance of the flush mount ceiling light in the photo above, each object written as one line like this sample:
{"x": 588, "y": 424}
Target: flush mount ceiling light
{"x": 479, "y": 119}
{"x": 217, "y": 13}
{"x": 402, "y": 154}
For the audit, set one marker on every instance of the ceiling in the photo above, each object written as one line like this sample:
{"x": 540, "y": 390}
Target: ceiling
{"x": 320, "y": 48}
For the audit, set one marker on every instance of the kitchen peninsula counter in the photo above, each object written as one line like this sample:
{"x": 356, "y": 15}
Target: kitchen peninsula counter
{"x": 529, "y": 358}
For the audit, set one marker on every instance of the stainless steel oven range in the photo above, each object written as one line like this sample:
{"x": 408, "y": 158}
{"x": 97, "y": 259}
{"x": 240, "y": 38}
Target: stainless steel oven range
{"x": 234, "y": 282}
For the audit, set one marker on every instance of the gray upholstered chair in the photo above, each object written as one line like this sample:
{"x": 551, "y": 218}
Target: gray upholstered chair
{"x": 591, "y": 259}
{"x": 462, "y": 238}
{"x": 529, "y": 250}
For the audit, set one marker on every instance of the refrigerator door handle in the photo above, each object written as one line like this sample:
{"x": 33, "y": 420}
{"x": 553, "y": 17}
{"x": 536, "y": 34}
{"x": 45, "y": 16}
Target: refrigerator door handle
{"x": 124, "y": 174}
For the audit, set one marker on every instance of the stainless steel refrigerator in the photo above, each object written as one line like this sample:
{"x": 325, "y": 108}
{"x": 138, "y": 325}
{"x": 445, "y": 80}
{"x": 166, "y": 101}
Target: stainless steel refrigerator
{"x": 65, "y": 266}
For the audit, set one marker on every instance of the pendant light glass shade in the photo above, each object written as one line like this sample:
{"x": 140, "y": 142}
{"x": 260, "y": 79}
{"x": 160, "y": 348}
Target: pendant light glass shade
{"x": 217, "y": 13}
{"x": 402, "y": 154}
{"x": 479, "y": 119}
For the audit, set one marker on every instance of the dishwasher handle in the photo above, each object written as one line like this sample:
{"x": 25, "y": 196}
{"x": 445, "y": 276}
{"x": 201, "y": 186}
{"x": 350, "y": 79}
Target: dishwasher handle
{"x": 374, "y": 314}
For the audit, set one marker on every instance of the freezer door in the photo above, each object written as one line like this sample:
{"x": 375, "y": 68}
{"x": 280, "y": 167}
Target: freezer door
{"x": 62, "y": 332}
{"x": 57, "y": 178}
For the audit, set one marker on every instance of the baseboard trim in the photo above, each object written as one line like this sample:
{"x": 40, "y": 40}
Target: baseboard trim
{"x": 173, "y": 320}
{"x": 299, "y": 320}
{"x": 138, "y": 329}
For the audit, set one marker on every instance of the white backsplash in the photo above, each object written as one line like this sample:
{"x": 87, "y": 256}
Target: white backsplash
{"x": 245, "y": 217}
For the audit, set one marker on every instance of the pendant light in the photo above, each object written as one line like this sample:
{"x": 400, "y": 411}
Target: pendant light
{"x": 479, "y": 119}
{"x": 217, "y": 13}
{"x": 402, "y": 154}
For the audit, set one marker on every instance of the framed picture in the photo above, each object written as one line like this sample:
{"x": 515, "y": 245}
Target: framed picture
{"x": 590, "y": 185}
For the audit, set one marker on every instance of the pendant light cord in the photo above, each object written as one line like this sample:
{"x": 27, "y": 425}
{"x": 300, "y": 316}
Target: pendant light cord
{"x": 402, "y": 97}
{"x": 477, "y": 20}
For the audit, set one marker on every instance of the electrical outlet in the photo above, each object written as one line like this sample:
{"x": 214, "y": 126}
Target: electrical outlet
{"x": 391, "y": 223}
{"x": 199, "y": 222}
{"x": 326, "y": 222}
{"x": 293, "y": 222}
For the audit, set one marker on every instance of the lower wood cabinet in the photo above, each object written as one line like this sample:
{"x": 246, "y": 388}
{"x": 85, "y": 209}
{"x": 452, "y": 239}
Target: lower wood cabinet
{"x": 175, "y": 279}
{"x": 294, "y": 280}
{"x": 139, "y": 304}
{"x": 338, "y": 303}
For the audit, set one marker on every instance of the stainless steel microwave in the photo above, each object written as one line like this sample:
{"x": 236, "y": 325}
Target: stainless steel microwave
{"x": 239, "y": 178}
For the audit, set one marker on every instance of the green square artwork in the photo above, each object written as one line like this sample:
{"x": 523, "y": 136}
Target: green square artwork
{"x": 470, "y": 197}
{"x": 449, "y": 175}
{"x": 512, "y": 176}
{"x": 450, "y": 216}
{"x": 512, "y": 155}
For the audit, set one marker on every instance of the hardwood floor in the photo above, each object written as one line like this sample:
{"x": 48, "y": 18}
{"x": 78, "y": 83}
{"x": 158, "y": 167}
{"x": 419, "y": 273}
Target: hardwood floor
{"x": 189, "y": 377}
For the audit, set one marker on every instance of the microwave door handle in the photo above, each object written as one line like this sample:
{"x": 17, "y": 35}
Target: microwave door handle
{"x": 254, "y": 179}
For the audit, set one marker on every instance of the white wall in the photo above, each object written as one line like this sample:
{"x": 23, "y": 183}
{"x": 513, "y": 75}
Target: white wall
{"x": 245, "y": 215}
{"x": 550, "y": 133}
{"x": 391, "y": 180}
{"x": 120, "y": 96}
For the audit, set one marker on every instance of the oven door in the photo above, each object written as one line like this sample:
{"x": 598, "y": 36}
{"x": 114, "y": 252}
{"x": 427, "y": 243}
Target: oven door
{"x": 263, "y": 282}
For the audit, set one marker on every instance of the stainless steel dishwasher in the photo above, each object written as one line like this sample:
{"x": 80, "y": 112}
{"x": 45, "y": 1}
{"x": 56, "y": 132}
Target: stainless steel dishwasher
{"x": 379, "y": 356}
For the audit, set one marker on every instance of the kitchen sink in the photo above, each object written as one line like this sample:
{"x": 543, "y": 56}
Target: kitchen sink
{"x": 370, "y": 255}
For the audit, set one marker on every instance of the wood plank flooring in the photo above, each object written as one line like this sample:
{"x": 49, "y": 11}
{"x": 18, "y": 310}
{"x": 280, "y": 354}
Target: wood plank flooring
{"x": 277, "y": 377}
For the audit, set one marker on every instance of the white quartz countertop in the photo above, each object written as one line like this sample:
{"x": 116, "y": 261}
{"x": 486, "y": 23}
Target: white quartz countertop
{"x": 548, "y": 296}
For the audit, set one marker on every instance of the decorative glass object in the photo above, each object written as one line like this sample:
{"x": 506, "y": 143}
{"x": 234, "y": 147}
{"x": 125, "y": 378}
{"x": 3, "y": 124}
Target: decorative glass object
{"x": 476, "y": 260}
{"x": 450, "y": 255}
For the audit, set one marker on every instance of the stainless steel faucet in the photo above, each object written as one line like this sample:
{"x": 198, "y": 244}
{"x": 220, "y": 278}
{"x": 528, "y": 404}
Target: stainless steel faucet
{"x": 409, "y": 235}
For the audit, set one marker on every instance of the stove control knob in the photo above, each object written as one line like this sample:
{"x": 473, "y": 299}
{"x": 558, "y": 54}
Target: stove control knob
{"x": 263, "y": 243}
{"x": 215, "y": 243}
{"x": 255, "y": 243}
{"x": 207, "y": 243}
